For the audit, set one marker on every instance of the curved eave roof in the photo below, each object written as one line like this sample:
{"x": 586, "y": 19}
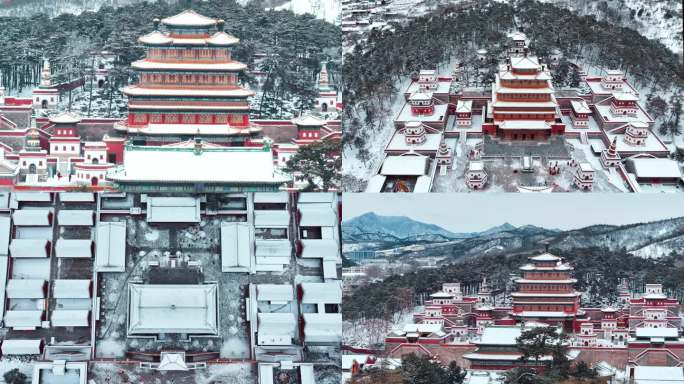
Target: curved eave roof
{"x": 189, "y": 18}
{"x": 155, "y": 38}
{"x": 65, "y": 118}
{"x": 142, "y": 91}
{"x": 156, "y": 65}
{"x": 222, "y": 38}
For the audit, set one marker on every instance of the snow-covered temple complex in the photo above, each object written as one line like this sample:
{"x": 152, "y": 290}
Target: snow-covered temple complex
{"x": 478, "y": 330}
{"x": 182, "y": 284}
{"x": 187, "y": 99}
{"x": 530, "y": 135}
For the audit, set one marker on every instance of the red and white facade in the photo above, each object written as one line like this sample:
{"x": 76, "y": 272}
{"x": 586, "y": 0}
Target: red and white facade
{"x": 189, "y": 84}
{"x": 464, "y": 113}
{"x": 422, "y": 103}
{"x": 584, "y": 177}
{"x": 610, "y": 157}
{"x": 476, "y": 176}
{"x": 580, "y": 113}
{"x": 46, "y": 96}
{"x": 546, "y": 292}
{"x": 523, "y": 105}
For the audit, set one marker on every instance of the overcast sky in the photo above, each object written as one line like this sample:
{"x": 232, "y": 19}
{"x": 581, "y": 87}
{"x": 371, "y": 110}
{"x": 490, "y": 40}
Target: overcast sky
{"x": 479, "y": 211}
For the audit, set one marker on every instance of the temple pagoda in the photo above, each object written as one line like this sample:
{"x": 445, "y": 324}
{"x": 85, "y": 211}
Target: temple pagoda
{"x": 188, "y": 86}
{"x": 523, "y": 105}
{"x": 546, "y": 293}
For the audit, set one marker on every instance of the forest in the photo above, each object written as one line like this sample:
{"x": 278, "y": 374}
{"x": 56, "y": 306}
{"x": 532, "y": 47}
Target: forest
{"x": 428, "y": 41}
{"x": 597, "y": 270}
{"x": 294, "y": 45}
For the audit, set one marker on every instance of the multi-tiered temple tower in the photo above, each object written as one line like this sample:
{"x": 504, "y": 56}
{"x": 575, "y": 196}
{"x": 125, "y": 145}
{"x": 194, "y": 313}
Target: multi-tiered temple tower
{"x": 523, "y": 104}
{"x": 188, "y": 85}
{"x": 546, "y": 292}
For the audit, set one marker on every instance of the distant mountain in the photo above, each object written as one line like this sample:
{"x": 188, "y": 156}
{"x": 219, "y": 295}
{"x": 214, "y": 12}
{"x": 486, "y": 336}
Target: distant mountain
{"x": 650, "y": 240}
{"x": 371, "y": 225}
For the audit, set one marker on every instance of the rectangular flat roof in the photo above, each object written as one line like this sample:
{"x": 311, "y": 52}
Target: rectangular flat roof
{"x": 271, "y": 218}
{"x": 657, "y": 332}
{"x": 76, "y": 197}
{"x": 70, "y": 318}
{"x": 29, "y": 248}
{"x": 4, "y": 235}
{"x": 404, "y": 166}
{"x": 327, "y": 249}
{"x": 322, "y": 327}
{"x": 173, "y": 209}
{"x": 21, "y": 346}
{"x": 276, "y": 328}
{"x": 236, "y": 247}
{"x": 322, "y": 293}
{"x": 25, "y": 289}
{"x": 656, "y": 168}
{"x": 71, "y": 289}
{"x": 76, "y": 217}
{"x": 173, "y": 308}
{"x": 31, "y": 217}
{"x": 270, "y": 197}
{"x": 110, "y": 247}
{"x": 74, "y": 248}
{"x": 33, "y": 197}
{"x": 23, "y": 319}
{"x": 274, "y": 292}
{"x": 317, "y": 215}
{"x": 316, "y": 197}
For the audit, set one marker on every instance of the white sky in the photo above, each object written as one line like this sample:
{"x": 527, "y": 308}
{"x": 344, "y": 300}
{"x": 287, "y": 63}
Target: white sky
{"x": 465, "y": 212}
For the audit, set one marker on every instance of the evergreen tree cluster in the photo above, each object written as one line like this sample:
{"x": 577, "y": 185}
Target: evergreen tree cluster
{"x": 597, "y": 270}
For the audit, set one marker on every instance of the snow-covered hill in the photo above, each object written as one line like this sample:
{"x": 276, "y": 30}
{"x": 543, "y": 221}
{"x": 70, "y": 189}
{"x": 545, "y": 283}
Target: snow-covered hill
{"x": 654, "y": 19}
{"x": 328, "y": 10}
{"x": 24, "y": 8}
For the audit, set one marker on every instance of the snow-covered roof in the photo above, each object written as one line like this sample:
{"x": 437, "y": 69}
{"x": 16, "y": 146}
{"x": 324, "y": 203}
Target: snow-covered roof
{"x": 222, "y": 38}
{"x": 21, "y": 346}
{"x": 155, "y": 38}
{"x": 647, "y": 332}
{"x": 31, "y": 217}
{"x": 322, "y": 327}
{"x": 276, "y": 328}
{"x": 655, "y": 168}
{"x": 25, "y": 289}
{"x": 270, "y": 197}
{"x": 322, "y": 293}
{"x": 189, "y": 18}
{"x": 271, "y": 219}
{"x": 71, "y": 289}
{"x": 586, "y": 167}
{"x": 427, "y": 72}
{"x": 155, "y": 309}
{"x": 309, "y": 121}
{"x": 281, "y": 293}
{"x": 580, "y": 106}
{"x": 423, "y": 328}
{"x": 74, "y": 248}
{"x": 173, "y": 209}
{"x": 404, "y": 166}
{"x": 236, "y": 247}
{"x": 70, "y": 318}
{"x": 420, "y": 96}
{"x": 525, "y": 62}
{"x": 76, "y": 197}
{"x": 76, "y": 217}
{"x": 464, "y": 106}
{"x": 650, "y": 374}
{"x": 317, "y": 215}
{"x": 155, "y": 164}
{"x": 65, "y": 118}
{"x": 398, "y": 143}
{"x": 306, "y": 374}
{"x": 4, "y": 263}
{"x": 273, "y": 248}
{"x": 23, "y": 319}
{"x": 316, "y": 197}
{"x": 4, "y": 235}
{"x": 137, "y": 90}
{"x": 24, "y": 248}
{"x": 625, "y": 96}
{"x": 232, "y": 66}
{"x": 545, "y": 257}
{"x": 476, "y": 166}
{"x": 172, "y": 361}
{"x": 110, "y": 247}
{"x": 36, "y": 197}
{"x": 524, "y": 124}
{"x": 326, "y": 249}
